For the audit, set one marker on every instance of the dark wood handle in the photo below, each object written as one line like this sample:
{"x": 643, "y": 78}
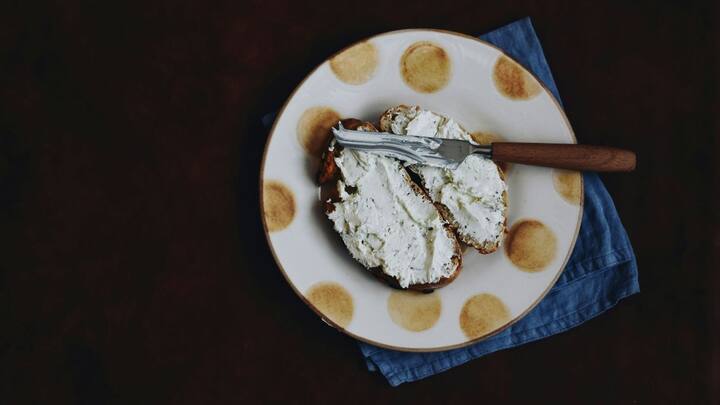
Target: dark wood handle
{"x": 565, "y": 156}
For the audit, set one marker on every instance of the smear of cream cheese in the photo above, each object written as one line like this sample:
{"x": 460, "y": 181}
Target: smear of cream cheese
{"x": 472, "y": 192}
{"x": 383, "y": 222}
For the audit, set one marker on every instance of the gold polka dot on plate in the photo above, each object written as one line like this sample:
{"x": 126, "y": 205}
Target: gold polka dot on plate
{"x": 530, "y": 245}
{"x": 333, "y": 301}
{"x": 414, "y": 311}
{"x": 356, "y": 64}
{"x": 486, "y": 138}
{"x": 513, "y": 81}
{"x": 425, "y": 67}
{"x": 313, "y": 129}
{"x": 278, "y": 205}
{"x": 482, "y": 314}
{"x": 568, "y": 184}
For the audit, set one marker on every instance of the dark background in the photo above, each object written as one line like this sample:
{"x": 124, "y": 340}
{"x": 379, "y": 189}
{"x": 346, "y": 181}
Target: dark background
{"x": 133, "y": 268}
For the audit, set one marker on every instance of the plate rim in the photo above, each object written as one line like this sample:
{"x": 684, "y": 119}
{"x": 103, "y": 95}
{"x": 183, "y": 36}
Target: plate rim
{"x": 327, "y": 320}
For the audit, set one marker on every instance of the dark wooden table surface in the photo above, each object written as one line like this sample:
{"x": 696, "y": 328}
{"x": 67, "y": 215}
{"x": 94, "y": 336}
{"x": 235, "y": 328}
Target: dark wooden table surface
{"x": 133, "y": 268}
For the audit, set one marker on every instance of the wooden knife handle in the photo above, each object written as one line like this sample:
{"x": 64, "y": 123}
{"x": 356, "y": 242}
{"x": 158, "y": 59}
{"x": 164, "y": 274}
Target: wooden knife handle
{"x": 565, "y": 156}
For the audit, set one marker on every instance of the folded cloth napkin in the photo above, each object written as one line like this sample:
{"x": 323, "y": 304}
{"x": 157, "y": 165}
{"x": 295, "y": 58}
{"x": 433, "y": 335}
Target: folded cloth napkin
{"x": 601, "y": 271}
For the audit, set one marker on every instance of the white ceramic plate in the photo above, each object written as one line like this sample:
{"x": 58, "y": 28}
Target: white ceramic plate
{"x": 474, "y": 83}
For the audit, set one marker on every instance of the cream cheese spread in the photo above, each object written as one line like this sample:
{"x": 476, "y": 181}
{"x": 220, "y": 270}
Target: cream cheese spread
{"x": 385, "y": 223}
{"x": 473, "y": 192}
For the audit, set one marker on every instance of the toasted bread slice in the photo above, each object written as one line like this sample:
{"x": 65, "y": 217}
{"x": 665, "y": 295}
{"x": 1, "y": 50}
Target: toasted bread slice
{"x": 474, "y": 196}
{"x": 387, "y": 222}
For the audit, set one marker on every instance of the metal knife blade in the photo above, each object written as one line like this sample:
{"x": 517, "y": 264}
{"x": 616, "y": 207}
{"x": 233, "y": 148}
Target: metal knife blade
{"x": 412, "y": 149}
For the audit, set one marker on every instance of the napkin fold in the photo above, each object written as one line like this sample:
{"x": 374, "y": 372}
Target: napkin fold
{"x": 601, "y": 271}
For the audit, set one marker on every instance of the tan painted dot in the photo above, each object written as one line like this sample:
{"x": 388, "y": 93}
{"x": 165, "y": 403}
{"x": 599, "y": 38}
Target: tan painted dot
{"x": 313, "y": 129}
{"x": 278, "y": 205}
{"x": 482, "y": 314}
{"x": 484, "y": 138}
{"x": 414, "y": 311}
{"x": 425, "y": 67}
{"x": 356, "y": 64}
{"x": 568, "y": 184}
{"x": 530, "y": 245}
{"x": 333, "y": 301}
{"x": 513, "y": 81}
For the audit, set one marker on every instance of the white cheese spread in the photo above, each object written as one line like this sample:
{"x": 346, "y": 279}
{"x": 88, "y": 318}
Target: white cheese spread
{"x": 385, "y": 223}
{"x": 473, "y": 192}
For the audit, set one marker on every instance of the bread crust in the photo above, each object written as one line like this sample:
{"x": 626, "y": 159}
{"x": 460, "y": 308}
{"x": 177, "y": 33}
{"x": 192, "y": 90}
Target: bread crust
{"x": 327, "y": 178}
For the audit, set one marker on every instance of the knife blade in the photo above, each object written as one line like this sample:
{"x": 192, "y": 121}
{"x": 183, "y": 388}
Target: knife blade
{"x": 412, "y": 149}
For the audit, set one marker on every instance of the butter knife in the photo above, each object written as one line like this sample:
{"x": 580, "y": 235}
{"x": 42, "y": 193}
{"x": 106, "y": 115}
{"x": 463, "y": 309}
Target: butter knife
{"x": 451, "y": 152}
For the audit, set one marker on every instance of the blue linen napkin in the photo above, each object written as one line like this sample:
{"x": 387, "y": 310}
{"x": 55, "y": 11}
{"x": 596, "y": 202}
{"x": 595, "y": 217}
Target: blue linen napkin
{"x": 601, "y": 271}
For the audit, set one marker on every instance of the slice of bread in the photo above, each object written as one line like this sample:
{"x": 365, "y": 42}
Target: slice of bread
{"x": 474, "y": 196}
{"x": 387, "y": 222}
